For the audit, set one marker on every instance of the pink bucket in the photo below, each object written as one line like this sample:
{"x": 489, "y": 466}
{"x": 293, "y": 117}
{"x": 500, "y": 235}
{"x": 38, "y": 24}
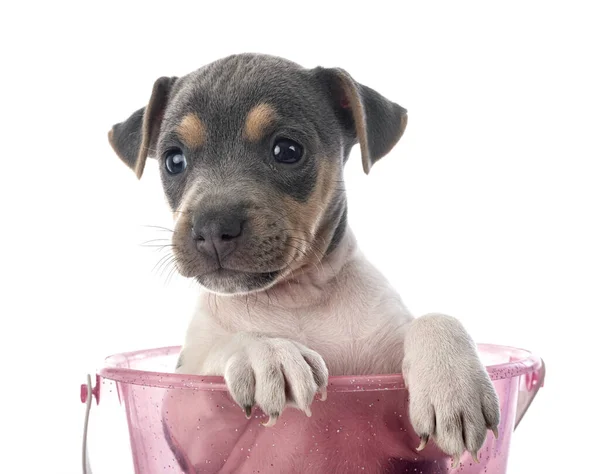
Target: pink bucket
{"x": 189, "y": 424}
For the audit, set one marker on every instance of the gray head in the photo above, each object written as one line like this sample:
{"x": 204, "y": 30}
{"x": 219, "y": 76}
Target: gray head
{"x": 251, "y": 150}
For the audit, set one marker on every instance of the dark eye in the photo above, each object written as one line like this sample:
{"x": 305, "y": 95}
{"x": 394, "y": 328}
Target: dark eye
{"x": 287, "y": 151}
{"x": 175, "y": 162}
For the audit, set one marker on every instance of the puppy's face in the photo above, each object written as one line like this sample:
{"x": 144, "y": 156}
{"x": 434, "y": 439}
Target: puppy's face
{"x": 251, "y": 150}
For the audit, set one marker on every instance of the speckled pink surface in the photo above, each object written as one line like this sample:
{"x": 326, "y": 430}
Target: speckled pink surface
{"x": 189, "y": 424}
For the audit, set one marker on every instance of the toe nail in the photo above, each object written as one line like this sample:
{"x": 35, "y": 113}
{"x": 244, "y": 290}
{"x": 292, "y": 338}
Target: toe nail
{"x": 424, "y": 440}
{"x": 272, "y": 421}
{"x": 248, "y": 411}
{"x": 495, "y": 431}
{"x": 455, "y": 461}
{"x": 474, "y": 456}
{"x": 323, "y": 394}
{"x": 308, "y": 412}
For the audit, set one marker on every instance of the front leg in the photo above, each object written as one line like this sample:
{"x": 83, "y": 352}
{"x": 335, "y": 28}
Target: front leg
{"x": 452, "y": 399}
{"x": 260, "y": 370}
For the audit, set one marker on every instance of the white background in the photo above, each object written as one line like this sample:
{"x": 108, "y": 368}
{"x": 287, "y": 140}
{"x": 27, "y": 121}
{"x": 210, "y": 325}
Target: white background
{"x": 487, "y": 209}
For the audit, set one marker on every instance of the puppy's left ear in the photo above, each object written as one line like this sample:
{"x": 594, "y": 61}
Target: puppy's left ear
{"x": 369, "y": 118}
{"x": 135, "y": 139}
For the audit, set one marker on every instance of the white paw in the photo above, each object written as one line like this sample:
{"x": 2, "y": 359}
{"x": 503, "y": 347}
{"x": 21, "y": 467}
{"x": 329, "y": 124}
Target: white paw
{"x": 452, "y": 399}
{"x": 273, "y": 373}
{"x": 455, "y": 409}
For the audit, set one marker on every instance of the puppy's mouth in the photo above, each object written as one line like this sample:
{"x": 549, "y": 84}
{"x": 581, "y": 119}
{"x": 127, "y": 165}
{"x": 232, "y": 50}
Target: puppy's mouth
{"x": 256, "y": 256}
{"x": 229, "y": 281}
{"x": 255, "y": 265}
{"x": 224, "y": 272}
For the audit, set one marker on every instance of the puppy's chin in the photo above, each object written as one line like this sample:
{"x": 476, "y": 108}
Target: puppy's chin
{"x": 232, "y": 282}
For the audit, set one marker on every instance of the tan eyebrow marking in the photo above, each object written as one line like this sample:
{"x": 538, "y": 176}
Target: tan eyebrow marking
{"x": 191, "y": 131}
{"x": 258, "y": 119}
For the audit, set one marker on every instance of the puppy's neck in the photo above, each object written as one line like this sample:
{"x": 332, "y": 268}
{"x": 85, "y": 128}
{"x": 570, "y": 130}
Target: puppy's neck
{"x": 311, "y": 284}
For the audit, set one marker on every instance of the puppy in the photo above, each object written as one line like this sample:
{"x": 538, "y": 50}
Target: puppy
{"x": 251, "y": 150}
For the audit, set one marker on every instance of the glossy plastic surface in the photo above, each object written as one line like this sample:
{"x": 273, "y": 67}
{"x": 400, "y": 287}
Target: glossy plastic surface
{"x": 189, "y": 424}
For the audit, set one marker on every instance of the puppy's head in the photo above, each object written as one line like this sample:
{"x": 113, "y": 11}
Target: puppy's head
{"x": 251, "y": 150}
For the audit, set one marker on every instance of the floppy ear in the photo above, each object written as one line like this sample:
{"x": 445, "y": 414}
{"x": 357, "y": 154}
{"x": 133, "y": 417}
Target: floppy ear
{"x": 374, "y": 121}
{"x": 135, "y": 139}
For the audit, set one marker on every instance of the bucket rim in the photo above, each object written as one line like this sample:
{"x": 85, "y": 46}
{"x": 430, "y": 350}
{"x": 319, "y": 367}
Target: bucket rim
{"x": 521, "y": 362}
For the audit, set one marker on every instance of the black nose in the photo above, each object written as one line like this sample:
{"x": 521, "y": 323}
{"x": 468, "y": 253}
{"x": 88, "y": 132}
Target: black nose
{"x": 218, "y": 233}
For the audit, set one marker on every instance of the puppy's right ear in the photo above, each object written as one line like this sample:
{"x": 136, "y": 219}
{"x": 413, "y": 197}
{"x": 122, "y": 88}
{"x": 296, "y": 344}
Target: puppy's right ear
{"x": 135, "y": 139}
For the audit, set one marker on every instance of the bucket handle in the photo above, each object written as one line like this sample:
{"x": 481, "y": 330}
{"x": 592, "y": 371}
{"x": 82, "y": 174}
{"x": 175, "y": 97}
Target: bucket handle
{"x": 87, "y": 393}
{"x": 531, "y": 382}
